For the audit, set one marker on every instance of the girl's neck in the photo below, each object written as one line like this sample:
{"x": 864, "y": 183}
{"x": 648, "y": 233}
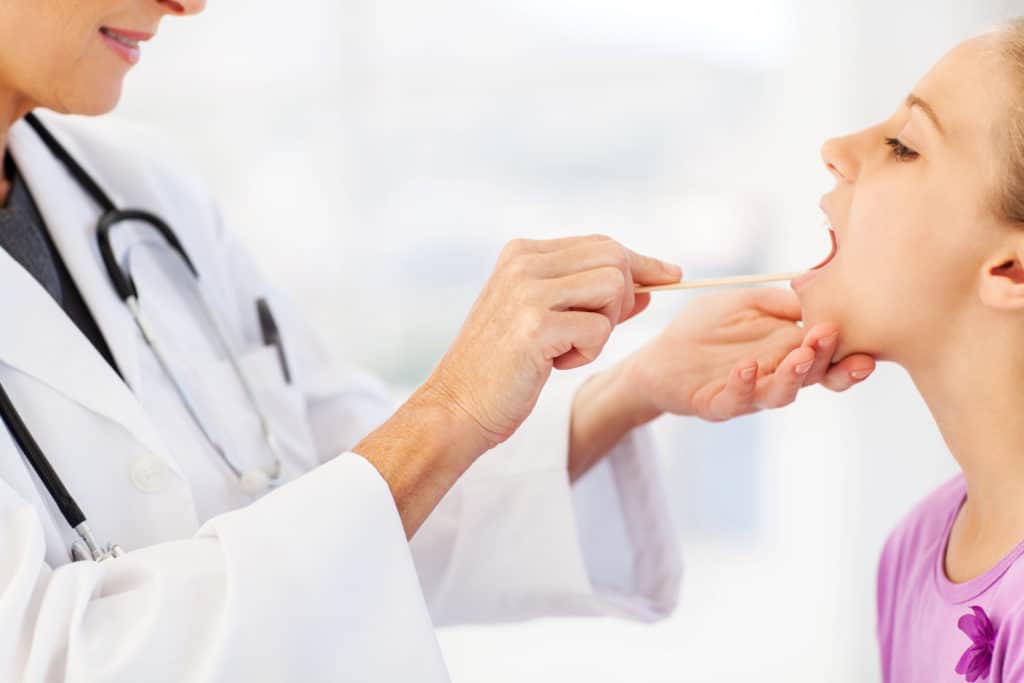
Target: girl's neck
{"x": 973, "y": 384}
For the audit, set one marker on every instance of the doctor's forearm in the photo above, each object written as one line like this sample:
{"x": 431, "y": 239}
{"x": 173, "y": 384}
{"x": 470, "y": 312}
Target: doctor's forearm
{"x": 604, "y": 410}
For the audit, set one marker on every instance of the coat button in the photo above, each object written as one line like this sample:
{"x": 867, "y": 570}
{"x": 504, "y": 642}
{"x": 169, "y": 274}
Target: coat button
{"x": 150, "y": 474}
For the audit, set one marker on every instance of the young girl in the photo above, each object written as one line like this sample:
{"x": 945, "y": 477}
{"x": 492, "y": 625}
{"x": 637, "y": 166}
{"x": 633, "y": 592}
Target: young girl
{"x": 928, "y": 272}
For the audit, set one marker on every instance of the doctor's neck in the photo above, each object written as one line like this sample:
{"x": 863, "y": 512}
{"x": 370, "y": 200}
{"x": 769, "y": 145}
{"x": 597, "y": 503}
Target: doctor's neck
{"x": 973, "y": 383}
{"x": 12, "y": 107}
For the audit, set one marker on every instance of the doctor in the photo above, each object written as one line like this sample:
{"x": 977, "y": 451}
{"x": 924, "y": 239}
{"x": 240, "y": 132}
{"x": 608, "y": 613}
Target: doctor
{"x": 261, "y": 497}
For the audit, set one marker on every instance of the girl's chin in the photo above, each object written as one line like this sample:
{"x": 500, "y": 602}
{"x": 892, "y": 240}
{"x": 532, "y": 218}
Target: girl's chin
{"x": 855, "y": 334}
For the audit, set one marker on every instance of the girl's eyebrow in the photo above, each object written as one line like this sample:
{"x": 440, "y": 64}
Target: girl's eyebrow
{"x": 915, "y": 101}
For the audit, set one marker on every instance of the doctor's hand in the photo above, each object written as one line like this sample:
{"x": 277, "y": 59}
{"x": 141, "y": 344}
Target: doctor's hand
{"x": 548, "y": 305}
{"x": 738, "y": 352}
{"x": 725, "y": 355}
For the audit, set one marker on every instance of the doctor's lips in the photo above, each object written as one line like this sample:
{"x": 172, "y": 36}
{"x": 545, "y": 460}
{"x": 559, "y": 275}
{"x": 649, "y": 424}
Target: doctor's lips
{"x": 125, "y": 42}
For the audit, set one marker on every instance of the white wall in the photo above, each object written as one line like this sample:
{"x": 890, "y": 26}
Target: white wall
{"x": 378, "y": 154}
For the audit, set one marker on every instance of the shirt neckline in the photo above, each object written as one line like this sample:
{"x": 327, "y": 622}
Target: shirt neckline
{"x": 958, "y": 593}
{"x": 10, "y": 173}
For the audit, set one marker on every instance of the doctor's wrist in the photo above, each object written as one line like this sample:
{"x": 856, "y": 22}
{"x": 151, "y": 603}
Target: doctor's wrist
{"x": 420, "y": 455}
{"x": 605, "y": 409}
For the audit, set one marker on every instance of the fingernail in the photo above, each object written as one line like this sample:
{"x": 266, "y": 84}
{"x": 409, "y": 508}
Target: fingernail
{"x": 748, "y": 374}
{"x": 860, "y": 374}
{"x": 671, "y": 269}
{"x": 828, "y": 342}
{"x": 804, "y": 368}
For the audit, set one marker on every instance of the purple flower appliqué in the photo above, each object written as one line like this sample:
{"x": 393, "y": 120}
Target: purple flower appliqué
{"x": 976, "y": 662}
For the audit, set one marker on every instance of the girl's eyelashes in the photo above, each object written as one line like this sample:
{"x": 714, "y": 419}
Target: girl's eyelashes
{"x": 901, "y": 151}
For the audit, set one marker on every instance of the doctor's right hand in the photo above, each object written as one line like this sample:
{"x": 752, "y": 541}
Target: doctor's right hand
{"x": 548, "y": 304}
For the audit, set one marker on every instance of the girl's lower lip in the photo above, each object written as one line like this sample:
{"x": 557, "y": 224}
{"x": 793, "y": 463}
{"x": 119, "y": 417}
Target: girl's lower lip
{"x": 800, "y": 281}
{"x": 129, "y": 54}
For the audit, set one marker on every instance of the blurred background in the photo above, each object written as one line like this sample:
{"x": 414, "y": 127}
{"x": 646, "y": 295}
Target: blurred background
{"x": 376, "y": 154}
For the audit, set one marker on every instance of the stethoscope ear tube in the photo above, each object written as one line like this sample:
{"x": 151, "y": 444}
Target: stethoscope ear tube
{"x": 111, "y": 214}
{"x": 123, "y": 283}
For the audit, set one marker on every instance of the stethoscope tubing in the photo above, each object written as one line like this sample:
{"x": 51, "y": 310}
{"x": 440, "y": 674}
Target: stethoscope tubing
{"x": 123, "y": 284}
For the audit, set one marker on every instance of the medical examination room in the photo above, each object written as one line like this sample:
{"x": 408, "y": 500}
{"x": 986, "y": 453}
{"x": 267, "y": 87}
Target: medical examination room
{"x": 484, "y": 342}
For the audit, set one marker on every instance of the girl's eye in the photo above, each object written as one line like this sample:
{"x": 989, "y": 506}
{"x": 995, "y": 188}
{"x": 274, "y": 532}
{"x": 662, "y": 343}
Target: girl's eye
{"x": 901, "y": 151}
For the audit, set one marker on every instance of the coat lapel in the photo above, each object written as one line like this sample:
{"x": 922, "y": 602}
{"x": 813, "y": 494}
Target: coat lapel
{"x": 48, "y": 345}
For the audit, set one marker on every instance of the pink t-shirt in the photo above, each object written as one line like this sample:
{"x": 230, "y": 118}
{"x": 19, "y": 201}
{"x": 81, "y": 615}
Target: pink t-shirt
{"x": 932, "y": 630}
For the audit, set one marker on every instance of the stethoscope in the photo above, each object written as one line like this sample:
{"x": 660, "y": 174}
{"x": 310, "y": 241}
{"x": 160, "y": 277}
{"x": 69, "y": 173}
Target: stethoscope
{"x": 252, "y": 481}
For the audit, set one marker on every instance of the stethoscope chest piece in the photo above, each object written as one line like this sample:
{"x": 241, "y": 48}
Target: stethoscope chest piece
{"x": 86, "y": 547}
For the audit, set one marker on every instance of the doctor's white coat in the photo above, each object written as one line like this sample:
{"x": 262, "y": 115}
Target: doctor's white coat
{"x": 313, "y": 581}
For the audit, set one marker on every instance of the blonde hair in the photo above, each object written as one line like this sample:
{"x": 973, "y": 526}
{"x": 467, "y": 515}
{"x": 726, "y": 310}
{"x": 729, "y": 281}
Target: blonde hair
{"x": 1011, "y": 202}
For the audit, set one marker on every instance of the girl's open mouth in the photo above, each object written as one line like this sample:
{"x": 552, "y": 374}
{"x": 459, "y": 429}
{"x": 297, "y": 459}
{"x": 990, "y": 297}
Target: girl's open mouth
{"x": 832, "y": 254}
{"x": 803, "y": 279}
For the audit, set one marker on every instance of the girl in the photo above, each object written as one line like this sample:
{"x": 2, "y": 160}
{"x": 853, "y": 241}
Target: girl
{"x": 929, "y": 205}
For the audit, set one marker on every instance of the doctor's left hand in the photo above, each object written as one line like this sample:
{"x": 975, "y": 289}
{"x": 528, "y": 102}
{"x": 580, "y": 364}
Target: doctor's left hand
{"x": 724, "y": 355}
{"x": 738, "y": 352}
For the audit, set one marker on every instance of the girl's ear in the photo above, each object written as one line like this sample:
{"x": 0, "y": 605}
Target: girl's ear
{"x": 1002, "y": 280}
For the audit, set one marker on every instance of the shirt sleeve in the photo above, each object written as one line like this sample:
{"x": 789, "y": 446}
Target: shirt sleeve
{"x": 887, "y": 579}
{"x": 515, "y": 540}
{"x": 300, "y": 585}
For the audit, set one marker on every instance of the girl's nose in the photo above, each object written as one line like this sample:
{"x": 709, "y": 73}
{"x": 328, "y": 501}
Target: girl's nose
{"x": 839, "y": 159}
{"x": 182, "y": 7}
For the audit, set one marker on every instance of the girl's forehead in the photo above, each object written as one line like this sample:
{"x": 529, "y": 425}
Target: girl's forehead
{"x": 969, "y": 90}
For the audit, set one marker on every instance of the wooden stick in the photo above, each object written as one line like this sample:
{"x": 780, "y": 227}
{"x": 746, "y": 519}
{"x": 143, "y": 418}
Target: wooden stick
{"x": 720, "y": 282}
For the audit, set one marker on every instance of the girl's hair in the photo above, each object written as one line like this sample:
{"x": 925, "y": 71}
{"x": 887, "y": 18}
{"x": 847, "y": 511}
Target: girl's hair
{"x": 1011, "y": 202}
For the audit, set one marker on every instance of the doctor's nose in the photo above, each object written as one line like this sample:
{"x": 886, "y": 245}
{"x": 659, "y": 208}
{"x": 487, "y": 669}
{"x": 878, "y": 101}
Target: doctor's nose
{"x": 840, "y": 160}
{"x": 182, "y": 7}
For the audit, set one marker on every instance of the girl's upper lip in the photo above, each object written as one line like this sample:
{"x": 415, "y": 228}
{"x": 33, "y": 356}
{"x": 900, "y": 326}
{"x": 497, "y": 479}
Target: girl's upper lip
{"x": 825, "y": 210}
{"x": 130, "y": 35}
{"x": 824, "y": 204}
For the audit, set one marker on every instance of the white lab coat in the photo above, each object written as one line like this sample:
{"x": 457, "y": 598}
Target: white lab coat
{"x": 315, "y": 580}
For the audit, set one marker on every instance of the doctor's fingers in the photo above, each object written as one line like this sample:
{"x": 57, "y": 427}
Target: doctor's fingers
{"x": 737, "y": 396}
{"x": 560, "y": 257}
{"x": 589, "y": 254}
{"x": 849, "y": 372}
{"x": 781, "y": 387}
{"x": 777, "y": 302}
{"x": 571, "y": 339}
{"x": 528, "y": 246}
{"x": 602, "y": 290}
{"x": 824, "y": 339}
